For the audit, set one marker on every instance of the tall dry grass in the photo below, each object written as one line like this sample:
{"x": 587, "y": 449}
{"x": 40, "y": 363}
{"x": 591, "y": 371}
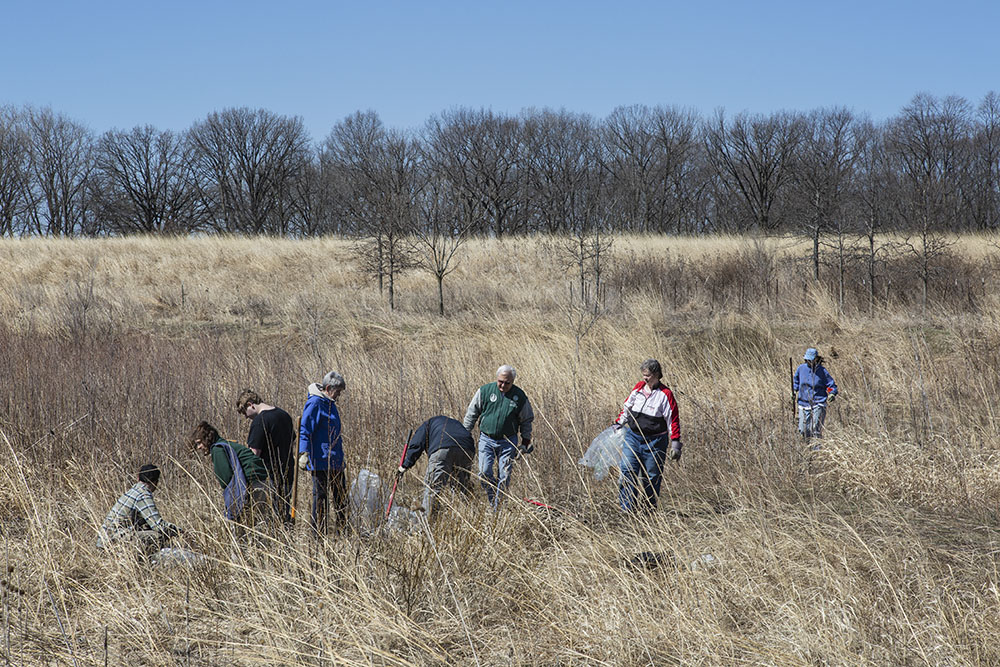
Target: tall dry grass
{"x": 880, "y": 548}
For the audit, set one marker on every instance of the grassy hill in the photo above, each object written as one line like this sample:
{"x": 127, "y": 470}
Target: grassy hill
{"x": 881, "y": 548}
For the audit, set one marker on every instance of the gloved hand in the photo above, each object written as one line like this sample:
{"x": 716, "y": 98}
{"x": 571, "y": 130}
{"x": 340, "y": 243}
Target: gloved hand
{"x": 527, "y": 447}
{"x": 830, "y": 397}
{"x": 400, "y": 471}
{"x": 674, "y": 454}
{"x": 304, "y": 461}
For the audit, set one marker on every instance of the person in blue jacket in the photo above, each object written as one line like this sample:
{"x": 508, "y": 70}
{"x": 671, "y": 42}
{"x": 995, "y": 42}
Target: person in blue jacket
{"x": 813, "y": 387}
{"x": 321, "y": 451}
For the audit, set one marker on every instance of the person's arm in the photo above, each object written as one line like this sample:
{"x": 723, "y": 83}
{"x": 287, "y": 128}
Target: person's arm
{"x": 473, "y": 411}
{"x": 622, "y": 417}
{"x": 415, "y": 447}
{"x": 675, "y": 420}
{"x": 220, "y": 464}
{"x": 526, "y": 415}
{"x": 146, "y": 507}
{"x": 831, "y": 386}
{"x": 795, "y": 379}
{"x": 256, "y": 439}
{"x": 306, "y": 426}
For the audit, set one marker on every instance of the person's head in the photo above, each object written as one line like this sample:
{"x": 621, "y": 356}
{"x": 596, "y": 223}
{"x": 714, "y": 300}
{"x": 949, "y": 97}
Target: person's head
{"x": 203, "y": 437}
{"x": 247, "y": 403}
{"x": 150, "y": 475}
{"x": 651, "y": 371}
{"x": 812, "y": 357}
{"x": 333, "y": 384}
{"x": 506, "y": 375}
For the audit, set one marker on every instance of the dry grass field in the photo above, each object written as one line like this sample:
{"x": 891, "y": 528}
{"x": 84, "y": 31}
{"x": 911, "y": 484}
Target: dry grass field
{"x": 881, "y": 548}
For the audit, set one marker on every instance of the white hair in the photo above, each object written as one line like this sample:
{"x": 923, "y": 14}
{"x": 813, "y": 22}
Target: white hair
{"x": 333, "y": 380}
{"x": 507, "y": 369}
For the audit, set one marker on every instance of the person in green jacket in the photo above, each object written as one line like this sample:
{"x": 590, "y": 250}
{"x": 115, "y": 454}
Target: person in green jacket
{"x": 502, "y": 409}
{"x": 240, "y": 472}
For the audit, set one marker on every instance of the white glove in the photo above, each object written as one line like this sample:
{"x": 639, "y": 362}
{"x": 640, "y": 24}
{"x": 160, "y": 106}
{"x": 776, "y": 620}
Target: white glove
{"x": 304, "y": 461}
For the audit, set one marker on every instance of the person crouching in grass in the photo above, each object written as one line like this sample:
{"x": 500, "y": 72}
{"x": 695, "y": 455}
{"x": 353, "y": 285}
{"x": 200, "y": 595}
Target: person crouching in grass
{"x": 240, "y": 472}
{"x": 135, "y": 519}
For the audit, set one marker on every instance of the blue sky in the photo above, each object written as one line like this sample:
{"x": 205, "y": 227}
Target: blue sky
{"x": 120, "y": 64}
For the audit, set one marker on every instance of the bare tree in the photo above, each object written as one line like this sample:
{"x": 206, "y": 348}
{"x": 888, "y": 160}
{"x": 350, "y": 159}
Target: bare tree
{"x": 60, "y": 167}
{"x": 875, "y": 186}
{"x": 377, "y": 189}
{"x": 440, "y": 233}
{"x": 15, "y": 160}
{"x": 244, "y": 163}
{"x": 479, "y": 152}
{"x": 143, "y": 182}
{"x": 983, "y": 182}
{"x": 559, "y": 149}
{"x": 313, "y": 201}
{"x": 753, "y": 157}
{"x": 822, "y": 177}
{"x": 930, "y": 144}
{"x": 651, "y": 155}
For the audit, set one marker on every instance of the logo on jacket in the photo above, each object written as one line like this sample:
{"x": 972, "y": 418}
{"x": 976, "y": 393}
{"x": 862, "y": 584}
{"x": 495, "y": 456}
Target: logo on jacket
{"x": 493, "y": 398}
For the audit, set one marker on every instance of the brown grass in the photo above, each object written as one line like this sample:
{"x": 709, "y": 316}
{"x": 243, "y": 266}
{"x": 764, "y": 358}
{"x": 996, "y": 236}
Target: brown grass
{"x": 881, "y": 548}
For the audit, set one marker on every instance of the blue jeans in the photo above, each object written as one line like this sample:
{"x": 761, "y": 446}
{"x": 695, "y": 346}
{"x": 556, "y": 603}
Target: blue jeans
{"x": 499, "y": 453}
{"x": 641, "y": 465}
{"x": 811, "y": 420}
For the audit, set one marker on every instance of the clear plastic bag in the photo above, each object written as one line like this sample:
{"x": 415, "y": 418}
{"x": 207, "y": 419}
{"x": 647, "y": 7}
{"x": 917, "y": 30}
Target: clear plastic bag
{"x": 403, "y": 519}
{"x": 177, "y": 556}
{"x": 365, "y": 498}
{"x": 604, "y": 452}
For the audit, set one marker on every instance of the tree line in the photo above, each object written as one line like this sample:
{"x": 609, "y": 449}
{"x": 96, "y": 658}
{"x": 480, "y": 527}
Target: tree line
{"x": 641, "y": 169}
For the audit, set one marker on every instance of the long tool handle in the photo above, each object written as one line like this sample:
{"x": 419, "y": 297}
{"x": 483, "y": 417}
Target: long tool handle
{"x": 791, "y": 384}
{"x": 395, "y": 482}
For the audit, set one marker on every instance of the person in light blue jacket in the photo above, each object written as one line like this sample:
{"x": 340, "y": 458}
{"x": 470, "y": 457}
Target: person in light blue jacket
{"x": 813, "y": 386}
{"x": 321, "y": 451}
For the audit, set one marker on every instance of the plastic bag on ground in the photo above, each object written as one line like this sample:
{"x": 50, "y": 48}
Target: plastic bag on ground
{"x": 174, "y": 556}
{"x": 403, "y": 519}
{"x": 365, "y": 498}
{"x": 604, "y": 452}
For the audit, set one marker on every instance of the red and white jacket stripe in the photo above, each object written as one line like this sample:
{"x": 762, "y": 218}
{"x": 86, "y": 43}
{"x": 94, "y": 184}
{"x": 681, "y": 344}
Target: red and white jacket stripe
{"x": 651, "y": 415}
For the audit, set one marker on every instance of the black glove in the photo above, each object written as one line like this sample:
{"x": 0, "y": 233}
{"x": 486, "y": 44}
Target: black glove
{"x": 674, "y": 454}
{"x": 527, "y": 447}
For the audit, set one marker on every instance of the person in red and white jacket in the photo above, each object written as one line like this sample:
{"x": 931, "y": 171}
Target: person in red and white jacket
{"x": 653, "y": 434}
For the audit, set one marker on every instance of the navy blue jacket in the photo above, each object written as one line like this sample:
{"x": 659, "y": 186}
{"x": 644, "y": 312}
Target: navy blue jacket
{"x": 437, "y": 433}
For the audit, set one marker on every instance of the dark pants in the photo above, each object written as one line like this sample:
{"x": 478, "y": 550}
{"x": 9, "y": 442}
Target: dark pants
{"x": 281, "y": 493}
{"x": 329, "y": 492}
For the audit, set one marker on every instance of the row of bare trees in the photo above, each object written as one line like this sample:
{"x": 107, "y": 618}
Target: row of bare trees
{"x": 934, "y": 166}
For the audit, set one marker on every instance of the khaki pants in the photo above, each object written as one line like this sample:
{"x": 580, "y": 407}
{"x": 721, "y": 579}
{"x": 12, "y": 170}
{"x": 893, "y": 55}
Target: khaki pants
{"x": 447, "y": 465}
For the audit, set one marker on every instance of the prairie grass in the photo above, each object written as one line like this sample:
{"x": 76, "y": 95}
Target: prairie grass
{"x": 881, "y": 548}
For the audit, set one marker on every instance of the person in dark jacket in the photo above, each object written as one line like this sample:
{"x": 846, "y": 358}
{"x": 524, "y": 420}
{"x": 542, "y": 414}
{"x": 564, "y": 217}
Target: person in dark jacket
{"x": 321, "y": 451}
{"x": 653, "y": 434}
{"x": 240, "y": 472}
{"x": 270, "y": 438}
{"x": 450, "y": 449}
{"x": 813, "y": 387}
